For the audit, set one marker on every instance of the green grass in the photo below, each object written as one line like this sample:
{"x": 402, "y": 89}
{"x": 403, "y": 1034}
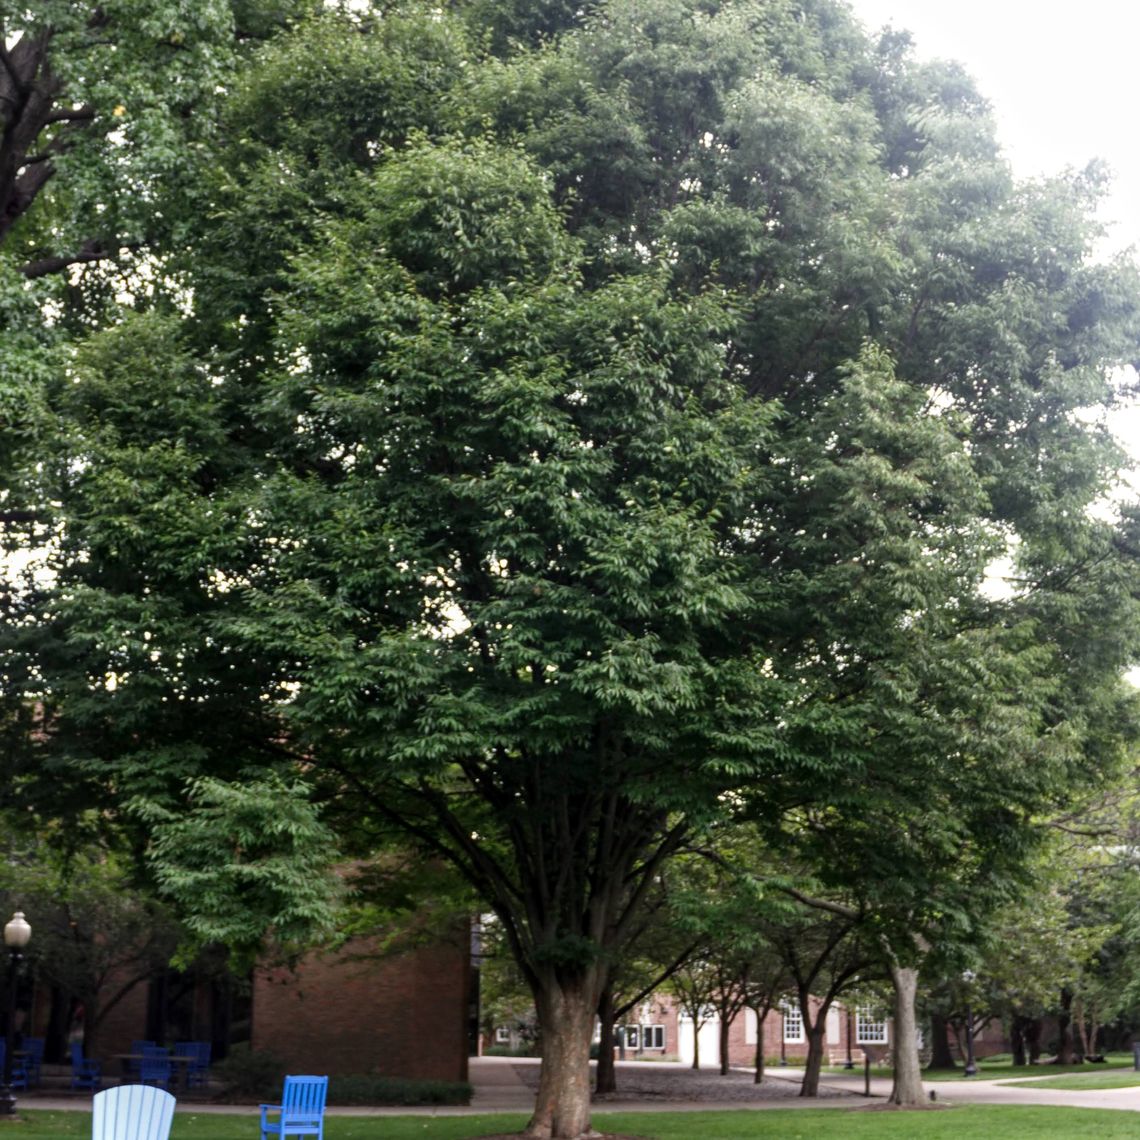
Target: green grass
{"x": 994, "y": 1123}
{"x": 1000, "y": 1069}
{"x": 1103, "y": 1079}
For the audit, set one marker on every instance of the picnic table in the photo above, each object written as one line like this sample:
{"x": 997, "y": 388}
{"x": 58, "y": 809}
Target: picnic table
{"x": 130, "y": 1065}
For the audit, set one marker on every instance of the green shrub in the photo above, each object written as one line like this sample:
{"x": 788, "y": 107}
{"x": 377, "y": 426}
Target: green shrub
{"x": 364, "y": 1089}
{"x": 245, "y": 1073}
{"x": 522, "y": 1051}
{"x": 773, "y": 1062}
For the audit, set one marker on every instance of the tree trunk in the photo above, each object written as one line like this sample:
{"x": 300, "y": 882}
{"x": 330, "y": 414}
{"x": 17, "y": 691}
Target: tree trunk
{"x": 940, "y": 1055}
{"x": 1065, "y": 1031}
{"x": 566, "y": 1014}
{"x": 760, "y": 1016}
{"x": 605, "y": 1078}
{"x": 1032, "y": 1032}
{"x": 1017, "y": 1039}
{"x": 1081, "y": 1021}
{"x": 907, "y": 1088}
{"x": 725, "y": 1026}
{"x": 814, "y": 1064}
{"x": 697, "y": 1026}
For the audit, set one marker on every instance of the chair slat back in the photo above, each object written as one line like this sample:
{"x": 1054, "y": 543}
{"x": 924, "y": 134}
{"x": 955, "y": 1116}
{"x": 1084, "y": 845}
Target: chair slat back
{"x": 304, "y": 1097}
{"x": 155, "y": 1065}
{"x": 199, "y": 1050}
{"x": 132, "y": 1112}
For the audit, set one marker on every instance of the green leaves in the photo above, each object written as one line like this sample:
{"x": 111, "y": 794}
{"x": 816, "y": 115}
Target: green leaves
{"x": 244, "y": 860}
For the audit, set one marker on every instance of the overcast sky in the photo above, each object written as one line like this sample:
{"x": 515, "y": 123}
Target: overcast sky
{"x": 1062, "y": 81}
{"x": 1061, "y": 78}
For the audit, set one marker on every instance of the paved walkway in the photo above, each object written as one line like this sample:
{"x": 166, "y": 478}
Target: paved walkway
{"x": 499, "y": 1088}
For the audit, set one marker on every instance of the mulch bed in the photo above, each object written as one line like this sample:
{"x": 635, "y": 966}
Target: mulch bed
{"x": 667, "y": 1083}
{"x": 596, "y": 1136}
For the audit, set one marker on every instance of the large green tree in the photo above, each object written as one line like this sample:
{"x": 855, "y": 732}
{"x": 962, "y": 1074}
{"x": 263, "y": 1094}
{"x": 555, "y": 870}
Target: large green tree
{"x": 557, "y": 438}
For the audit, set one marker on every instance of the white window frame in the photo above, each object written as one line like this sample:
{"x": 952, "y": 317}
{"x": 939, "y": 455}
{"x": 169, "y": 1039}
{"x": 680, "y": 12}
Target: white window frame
{"x": 793, "y": 1024}
{"x": 653, "y": 1037}
{"x": 502, "y": 1035}
{"x": 870, "y": 1028}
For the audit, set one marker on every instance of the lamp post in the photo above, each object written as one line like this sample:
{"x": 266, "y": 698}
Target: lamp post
{"x": 968, "y": 976}
{"x": 16, "y": 935}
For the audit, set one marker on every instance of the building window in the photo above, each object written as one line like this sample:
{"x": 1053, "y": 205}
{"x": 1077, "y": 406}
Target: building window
{"x": 870, "y": 1029}
{"x": 653, "y": 1037}
{"x": 503, "y": 1035}
{"x": 793, "y": 1025}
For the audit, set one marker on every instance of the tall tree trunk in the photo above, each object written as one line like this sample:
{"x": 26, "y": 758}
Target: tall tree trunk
{"x": 941, "y": 1056}
{"x": 1065, "y": 1030}
{"x": 566, "y": 1014}
{"x": 605, "y": 1078}
{"x": 725, "y": 1026}
{"x": 907, "y": 1089}
{"x": 1017, "y": 1038}
{"x": 1033, "y": 1039}
{"x": 810, "y": 1086}
{"x": 760, "y": 1017}
{"x": 697, "y": 1026}
{"x": 1081, "y": 1021}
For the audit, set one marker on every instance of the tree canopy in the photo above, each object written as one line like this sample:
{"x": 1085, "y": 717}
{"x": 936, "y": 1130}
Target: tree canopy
{"x": 549, "y": 432}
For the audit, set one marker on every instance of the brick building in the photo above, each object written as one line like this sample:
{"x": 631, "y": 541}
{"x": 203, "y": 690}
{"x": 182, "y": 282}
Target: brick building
{"x": 398, "y": 1014}
{"x": 403, "y": 1015}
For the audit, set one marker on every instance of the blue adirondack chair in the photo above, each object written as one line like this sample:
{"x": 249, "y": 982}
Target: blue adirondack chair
{"x": 137, "y": 1048}
{"x": 155, "y": 1066}
{"x": 85, "y": 1073}
{"x": 132, "y": 1112}
{"x": 198, "y": 1070}
{"x": 33, "y": 1059}
{"x": 301, "y": 1111}
{"x": 19, "y": 1070}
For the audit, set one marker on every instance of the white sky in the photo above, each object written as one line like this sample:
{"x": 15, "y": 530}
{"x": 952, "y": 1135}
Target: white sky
{"x": 1061, "y": 78}
{"x": 1062, "y": 81}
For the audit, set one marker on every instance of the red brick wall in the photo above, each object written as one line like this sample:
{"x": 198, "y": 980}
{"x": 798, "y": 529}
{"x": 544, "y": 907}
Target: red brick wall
{"x": 401, "y": 1015}
{"x": 122, "y": 1024}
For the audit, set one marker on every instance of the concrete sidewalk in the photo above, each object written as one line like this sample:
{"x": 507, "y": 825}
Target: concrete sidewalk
{"x": 499, "y": 1088}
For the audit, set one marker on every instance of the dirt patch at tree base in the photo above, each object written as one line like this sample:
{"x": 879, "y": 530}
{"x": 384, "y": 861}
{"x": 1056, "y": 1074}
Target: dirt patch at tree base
{"x": 594, "y": 1136}
{"x": 879, "y": 1106}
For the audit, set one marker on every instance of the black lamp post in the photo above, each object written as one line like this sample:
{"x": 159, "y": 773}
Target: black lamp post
{"x": 16, "y": 935}
{"x": 971, "y": 1069}
{"x": 850, "y": 1035}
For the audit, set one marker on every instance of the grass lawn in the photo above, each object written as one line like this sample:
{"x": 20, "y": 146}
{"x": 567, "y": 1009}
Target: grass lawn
{"x": 1003, "y": 1070}
{"x": 1080, "y": 1081}
{"x": 994, "y": 1123}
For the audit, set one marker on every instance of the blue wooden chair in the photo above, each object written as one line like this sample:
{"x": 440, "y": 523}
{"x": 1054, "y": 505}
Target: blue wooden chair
{"x": 132, "y": 1112}
{"x": 138, "y": 1048}
{"x": 301, "y": 1111}
{"x": 155, "y": 1066}
{"x": 85, "y": 1073}
{"x": 33, "y": 1059}
{"x": 19, "y": 1069}
{"x": 198, "y": 1070}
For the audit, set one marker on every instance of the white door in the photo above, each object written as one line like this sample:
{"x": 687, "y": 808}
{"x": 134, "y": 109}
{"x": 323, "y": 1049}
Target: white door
{"x": 709, "y": 1039}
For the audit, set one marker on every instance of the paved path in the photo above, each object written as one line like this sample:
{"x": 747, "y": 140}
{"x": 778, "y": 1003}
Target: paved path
{"x": 499, "y": 1088}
